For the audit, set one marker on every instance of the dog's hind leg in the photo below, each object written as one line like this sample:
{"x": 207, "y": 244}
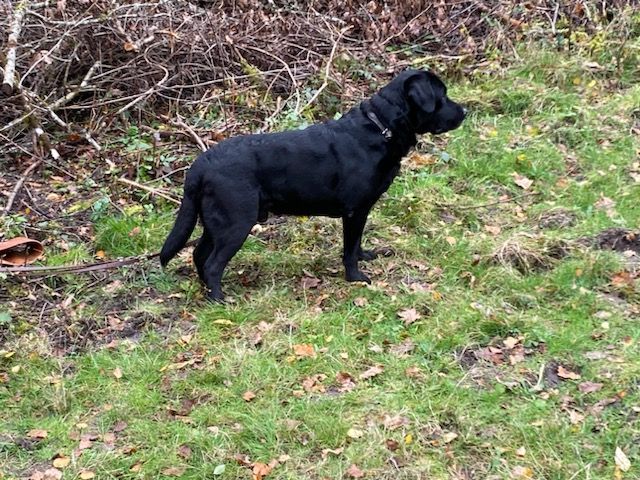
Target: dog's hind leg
{"x": 229, "y": 229}
{"x": 202, "y": 252}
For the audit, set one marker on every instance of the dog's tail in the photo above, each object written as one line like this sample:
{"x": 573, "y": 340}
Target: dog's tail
{"x": 186, "y": 221}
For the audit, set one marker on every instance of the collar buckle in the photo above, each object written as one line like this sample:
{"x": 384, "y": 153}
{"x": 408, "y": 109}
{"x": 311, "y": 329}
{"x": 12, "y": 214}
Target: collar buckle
{"x": 386, "y": 131}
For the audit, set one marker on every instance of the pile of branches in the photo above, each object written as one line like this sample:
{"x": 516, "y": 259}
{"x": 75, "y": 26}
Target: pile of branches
{"x": 77, "y": 65}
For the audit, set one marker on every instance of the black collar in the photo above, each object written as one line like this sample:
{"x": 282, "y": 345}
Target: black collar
{"x": 386, "y": 131}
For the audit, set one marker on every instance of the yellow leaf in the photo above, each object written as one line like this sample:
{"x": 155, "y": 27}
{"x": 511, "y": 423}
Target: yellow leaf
{"x": 100, "y": 254}
{"x": 61, "y": 462}
{"x": 223, "y": 321}
{"x": 622, "y": 462}
{"x": 408, "y": 439}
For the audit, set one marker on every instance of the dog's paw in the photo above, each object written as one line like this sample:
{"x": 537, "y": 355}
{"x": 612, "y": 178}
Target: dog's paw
{"x": 215, "y": 297}
{"x": 357, "y": 276}
{"x": 367, "y": 255}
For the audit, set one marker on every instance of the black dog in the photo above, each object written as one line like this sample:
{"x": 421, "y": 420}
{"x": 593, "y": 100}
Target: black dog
{"x": 338, "y": 169}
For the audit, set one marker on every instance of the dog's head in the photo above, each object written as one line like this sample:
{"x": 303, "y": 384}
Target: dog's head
{"x": 425, "y": 95}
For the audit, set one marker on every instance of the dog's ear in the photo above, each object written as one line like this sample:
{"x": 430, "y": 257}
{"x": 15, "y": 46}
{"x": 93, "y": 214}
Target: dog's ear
{"x": 420, "y": 92}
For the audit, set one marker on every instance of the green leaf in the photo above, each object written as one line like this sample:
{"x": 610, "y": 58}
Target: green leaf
{"x": 219, "y": 470}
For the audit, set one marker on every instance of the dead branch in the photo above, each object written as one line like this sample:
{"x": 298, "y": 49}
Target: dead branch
{"x": 18, "y": 186}
{"x": 153, "y": 191}
{"x": 12, "y": 43}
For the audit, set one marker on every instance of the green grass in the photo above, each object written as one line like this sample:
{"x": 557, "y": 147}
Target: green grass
{"x": 179, "y": 369}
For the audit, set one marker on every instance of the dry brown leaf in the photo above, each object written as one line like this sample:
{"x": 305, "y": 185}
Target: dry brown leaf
{"x": 87, "y": 475}
{"x": 409, "y": 316}
{"x": 403, "y": 348}
{"x": 354, "y": 472}
{"x": 117, "y": 372}
{"x": 52, "y": 474}
{"x": 521, "y": 452}
{"x": 493, "y": 229}
{"x": 310, "y": 282}
{"x": 136, "y": 467}
{"x": 355, "y": 433}
{"x": 61, "y": 461}
{"x": 522, "y": 181}
{"x": 184, "y": 451}
{"x": 173, "y": 471}
{"x": 371, "y": 372}
{"x": 575, "y": 417}
{"x": 304, "y": 350}
{"x": 522, "y": 472}
{"x": 335, "y": 451}
{"x": 391, "y": 444}
{"x": 248, "y": 396}
{"x": 109, "y": 437}
{"x": 261, "y": 470}
{"x": 510, "y": 342}
{"x": 361, "y": 302}
{"x": 589, "y": 387}
{"x": 37, "y": 434}
{"x": 395, "y": 422}
{"x": 567, "y": 374}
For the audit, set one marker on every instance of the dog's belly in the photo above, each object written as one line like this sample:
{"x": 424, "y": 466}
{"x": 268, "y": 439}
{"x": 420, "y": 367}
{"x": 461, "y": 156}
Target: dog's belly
{"x": 307, "y": 209}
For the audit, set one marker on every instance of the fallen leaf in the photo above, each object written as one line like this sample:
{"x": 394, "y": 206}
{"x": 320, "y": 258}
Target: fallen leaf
{"x": 510, "y": 342}
{"x": 61, "y": 462}
{"x": 119, "y": 426}
{"x": 521, "y": 452}
{"x": 335, "y": 451}
{"x": 109, "y": 438}
{"x": 173, "y": 471}
{"x": 595, "y": 355}
{"x": 522, "y": 181}
{"x": 85, "y": 443}
{"x": 575, "y": 417}
{"x": 37, "y": 434}
{"x": 409, "y": 316}
{"x": 261, "y": 470}
{"x": 248, "y": 396}
{"x": 304, "y": 350}
{"x": 395, "y": 422}
{"x": 522, "y": 472}
{"x": 310, "y": 282}
{"x": 622, "y": 462}
{"x": 403, "y": 348}
{"x": 354, "y": 472}
{"x": 87, "y": 475}
{"x": 372, "y": 372}
{"x": 117, "y": 372}
{"x": 360, "y": 302}
{"x": 391, "y": 444}
{"x": 184, "y": 451}
{"x": 346, "y": 381}
{"x": 493, "y": 229}
{"x": 136, "y": 467}
{"x": 589, "y": 387}
{"x": 52, "y": 474}
{"x": 354, "y": 433}
{"x": 449, "y": 437}
{"x": 219, "y": 470}
{"x": 567, "y": 374}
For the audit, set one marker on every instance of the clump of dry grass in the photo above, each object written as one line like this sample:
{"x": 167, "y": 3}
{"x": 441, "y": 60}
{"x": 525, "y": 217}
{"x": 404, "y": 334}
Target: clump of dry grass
{"x": 528, "y": 253}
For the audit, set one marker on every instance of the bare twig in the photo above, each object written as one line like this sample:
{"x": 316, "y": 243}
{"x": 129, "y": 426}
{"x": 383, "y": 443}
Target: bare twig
{"x": 12, "y": 43}
{"x": 19, "y": 184}
{"x": 178, "y": 122}
{"x": 154, "y": 191}
{"x": 327, "y": 71}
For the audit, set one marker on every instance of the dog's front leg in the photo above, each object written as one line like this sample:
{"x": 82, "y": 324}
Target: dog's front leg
{"x": 353, "y": 227}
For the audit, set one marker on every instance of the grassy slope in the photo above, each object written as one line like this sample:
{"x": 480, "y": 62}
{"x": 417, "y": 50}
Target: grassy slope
{"x": 548, "y": 119}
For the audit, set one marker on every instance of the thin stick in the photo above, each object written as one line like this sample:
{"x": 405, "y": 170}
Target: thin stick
{"x": 18, "y": 186}
{"x": 12, "y": 43}
{"x": 327, "y": 70}
{"x": 151, "y": 190}
{"x": 180, "y": 123}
